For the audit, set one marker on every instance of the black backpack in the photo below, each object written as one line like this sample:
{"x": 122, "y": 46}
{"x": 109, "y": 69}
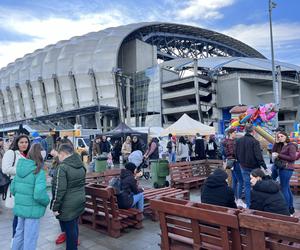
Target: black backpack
{"x": 4, "y": 184}
{"x": 115, "y": 183}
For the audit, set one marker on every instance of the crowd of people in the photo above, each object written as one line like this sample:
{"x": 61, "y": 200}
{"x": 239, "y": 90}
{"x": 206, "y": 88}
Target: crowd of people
{"x": 245, "y": 173}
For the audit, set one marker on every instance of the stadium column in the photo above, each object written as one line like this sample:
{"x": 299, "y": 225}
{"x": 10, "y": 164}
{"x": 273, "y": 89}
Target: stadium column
{"x": 31, "y": 98}
{"x": 196, "y": 85}
{"x": 3, "y": 108}
{"x": 43, "y": 95}
{"x": 128, "y": 101}
{"x": 20, "y": 101}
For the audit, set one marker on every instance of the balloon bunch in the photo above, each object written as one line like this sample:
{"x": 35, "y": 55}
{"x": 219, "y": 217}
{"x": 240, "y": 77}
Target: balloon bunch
{"x": 258, "y": 116}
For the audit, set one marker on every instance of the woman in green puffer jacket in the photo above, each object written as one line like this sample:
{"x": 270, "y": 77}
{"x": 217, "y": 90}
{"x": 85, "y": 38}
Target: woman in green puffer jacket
{"x": 31, "y": 198}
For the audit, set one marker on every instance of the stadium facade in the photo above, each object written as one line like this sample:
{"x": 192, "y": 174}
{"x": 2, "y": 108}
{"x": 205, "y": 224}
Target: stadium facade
{"x": 146, "y": 74}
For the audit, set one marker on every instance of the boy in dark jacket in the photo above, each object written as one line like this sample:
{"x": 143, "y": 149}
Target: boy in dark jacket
{"x": 68, "y": 191}
{"x": 131, "y": 195}
{"x": 215, "y": 190}
{"x": 266, "y": 195}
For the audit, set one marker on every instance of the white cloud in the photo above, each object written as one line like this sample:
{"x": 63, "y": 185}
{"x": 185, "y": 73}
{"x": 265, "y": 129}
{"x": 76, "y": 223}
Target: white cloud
{"x": 286, "y": 37}
{"x": 51, "y": 30}
{"x": 202, "y": 9}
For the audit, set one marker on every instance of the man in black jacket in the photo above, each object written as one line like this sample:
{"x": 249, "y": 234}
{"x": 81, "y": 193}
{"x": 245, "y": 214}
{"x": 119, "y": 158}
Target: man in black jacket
{"x": 249, "y": 155}
{"x": 199, "y": 148}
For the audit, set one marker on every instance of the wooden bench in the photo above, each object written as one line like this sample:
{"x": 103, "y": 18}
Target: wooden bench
{"x": 153, "y": 193}
{"x": 102, "y": 212}
{"x": 187, "y": 175}
{"x": 103, "y": 177}
{"x": 295, "y": 179}
{"x": 188, "y": 225}
{"x": 261, "y": 230}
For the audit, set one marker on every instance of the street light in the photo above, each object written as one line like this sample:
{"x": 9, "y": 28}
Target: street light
{"x": 272, "y": 5}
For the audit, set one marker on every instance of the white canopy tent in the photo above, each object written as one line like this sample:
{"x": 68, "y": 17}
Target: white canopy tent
{"x": 188, "y": 126}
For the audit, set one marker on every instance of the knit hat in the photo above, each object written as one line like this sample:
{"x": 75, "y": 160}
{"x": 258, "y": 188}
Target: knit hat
{"x": 130, "y": 166}
{"x": 35, "y": 134}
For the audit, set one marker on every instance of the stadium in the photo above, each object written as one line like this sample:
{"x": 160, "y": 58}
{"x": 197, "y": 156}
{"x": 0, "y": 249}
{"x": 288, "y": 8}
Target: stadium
{"x": 144, "y": 74}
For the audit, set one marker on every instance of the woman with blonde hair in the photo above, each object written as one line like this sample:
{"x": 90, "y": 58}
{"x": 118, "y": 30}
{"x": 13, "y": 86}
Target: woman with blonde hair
{"x": 126, "y": 148}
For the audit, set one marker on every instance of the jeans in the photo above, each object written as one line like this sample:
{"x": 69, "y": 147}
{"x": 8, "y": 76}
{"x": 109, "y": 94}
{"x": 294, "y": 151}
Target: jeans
{"x": 246, "y": 177}
{"x": 172, "y": 157}
{"x": 274, "y": 173}
{"x": 285, "y": 176}
{"x": 27, "y": 234}
{"x": 138, "y": 201}
{"x": 15, "y": 224}
{"x": 62, "y": 227}
{"x": 237, "y": 180}
{"x": 71, "y": 229}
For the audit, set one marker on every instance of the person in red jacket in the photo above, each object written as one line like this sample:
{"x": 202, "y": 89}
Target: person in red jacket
{"x": 284, "y": 162}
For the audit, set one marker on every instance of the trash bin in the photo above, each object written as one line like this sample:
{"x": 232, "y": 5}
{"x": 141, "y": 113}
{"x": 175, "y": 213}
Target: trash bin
{"x": 159, "y": 171}
{"x": 101, "y": 163}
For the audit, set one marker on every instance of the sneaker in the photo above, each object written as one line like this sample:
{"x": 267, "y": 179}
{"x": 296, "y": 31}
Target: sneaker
{"x": 240, "y": 203}
{"x": 292, "y": 210}
{"x": 61, "y": 238}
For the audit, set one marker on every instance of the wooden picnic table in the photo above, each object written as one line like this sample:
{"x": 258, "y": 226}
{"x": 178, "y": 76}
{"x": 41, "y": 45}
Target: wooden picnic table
{"x": 152, "y": 193}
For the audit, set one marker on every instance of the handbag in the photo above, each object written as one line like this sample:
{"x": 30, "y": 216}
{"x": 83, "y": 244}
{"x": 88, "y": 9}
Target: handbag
{"x": 280, "y": 164}
{"x": 230, "y": 163}
{"x": 4, "y": 184}
{"x": 10, "y": 200}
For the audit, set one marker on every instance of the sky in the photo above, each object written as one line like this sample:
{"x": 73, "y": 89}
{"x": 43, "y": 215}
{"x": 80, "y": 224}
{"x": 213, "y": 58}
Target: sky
{"x": 29, "y": 25}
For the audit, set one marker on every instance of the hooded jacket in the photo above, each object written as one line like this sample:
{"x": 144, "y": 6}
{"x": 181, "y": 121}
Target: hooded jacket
{"x": 216, "y": 191}
{"x": 266, "y": 196}
{"x": 68, "y": 188}
{"x": 30, "y": 190}
{"x": 129, "y": 188}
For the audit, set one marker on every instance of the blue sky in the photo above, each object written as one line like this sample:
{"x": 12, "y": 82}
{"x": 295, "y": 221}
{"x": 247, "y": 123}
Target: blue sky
{"x": 29, "y": 25}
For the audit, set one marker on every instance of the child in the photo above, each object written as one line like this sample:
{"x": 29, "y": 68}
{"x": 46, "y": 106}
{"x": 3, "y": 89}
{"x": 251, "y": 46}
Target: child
{"x": 68, "y": 191}
{"x": 31, "y": 198}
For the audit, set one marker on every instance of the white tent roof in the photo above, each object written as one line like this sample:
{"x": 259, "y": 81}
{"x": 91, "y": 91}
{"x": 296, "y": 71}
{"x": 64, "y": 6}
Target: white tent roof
{"x": 188, "y": 126}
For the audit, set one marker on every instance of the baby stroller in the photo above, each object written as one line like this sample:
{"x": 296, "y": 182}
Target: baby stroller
{"x": 137, "y": 158}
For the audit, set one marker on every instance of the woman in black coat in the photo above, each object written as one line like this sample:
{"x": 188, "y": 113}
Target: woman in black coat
{"x": 266, "y": 195}
{"x": 216, "y": 191}
{"x": 131, "y": 195}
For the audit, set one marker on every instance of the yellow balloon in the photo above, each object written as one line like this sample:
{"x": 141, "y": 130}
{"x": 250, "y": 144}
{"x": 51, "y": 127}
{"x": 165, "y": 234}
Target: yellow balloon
{"x": 235, "y": 124}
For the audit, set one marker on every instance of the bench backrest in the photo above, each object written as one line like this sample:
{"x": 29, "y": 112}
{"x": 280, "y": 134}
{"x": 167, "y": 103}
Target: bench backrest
{"x": 187, "y": 169}
{"x": 208, "y": 227}
{"x": 101, "y": 201}
{"x": 261, "y": 230}
{"x": 296, "y": 174}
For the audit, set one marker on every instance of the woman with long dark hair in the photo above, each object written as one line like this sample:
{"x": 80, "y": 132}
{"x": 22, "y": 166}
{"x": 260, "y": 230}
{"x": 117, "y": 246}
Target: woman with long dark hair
{"x": 31, "y": 198}
{"x": 18, "y": 150}
{"x": 284, "y": 163}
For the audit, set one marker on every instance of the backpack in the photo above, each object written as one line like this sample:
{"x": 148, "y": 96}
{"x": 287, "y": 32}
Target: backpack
{"x": 169, "y": 146}
{"x": 115, "y": 183}
{"x": 5, "y": 181}
{"x": 4, "y": 184}
{"x": 211, "y": 146}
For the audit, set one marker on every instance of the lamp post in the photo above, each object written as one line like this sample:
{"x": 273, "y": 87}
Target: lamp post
{"x": 272, "y": 5}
